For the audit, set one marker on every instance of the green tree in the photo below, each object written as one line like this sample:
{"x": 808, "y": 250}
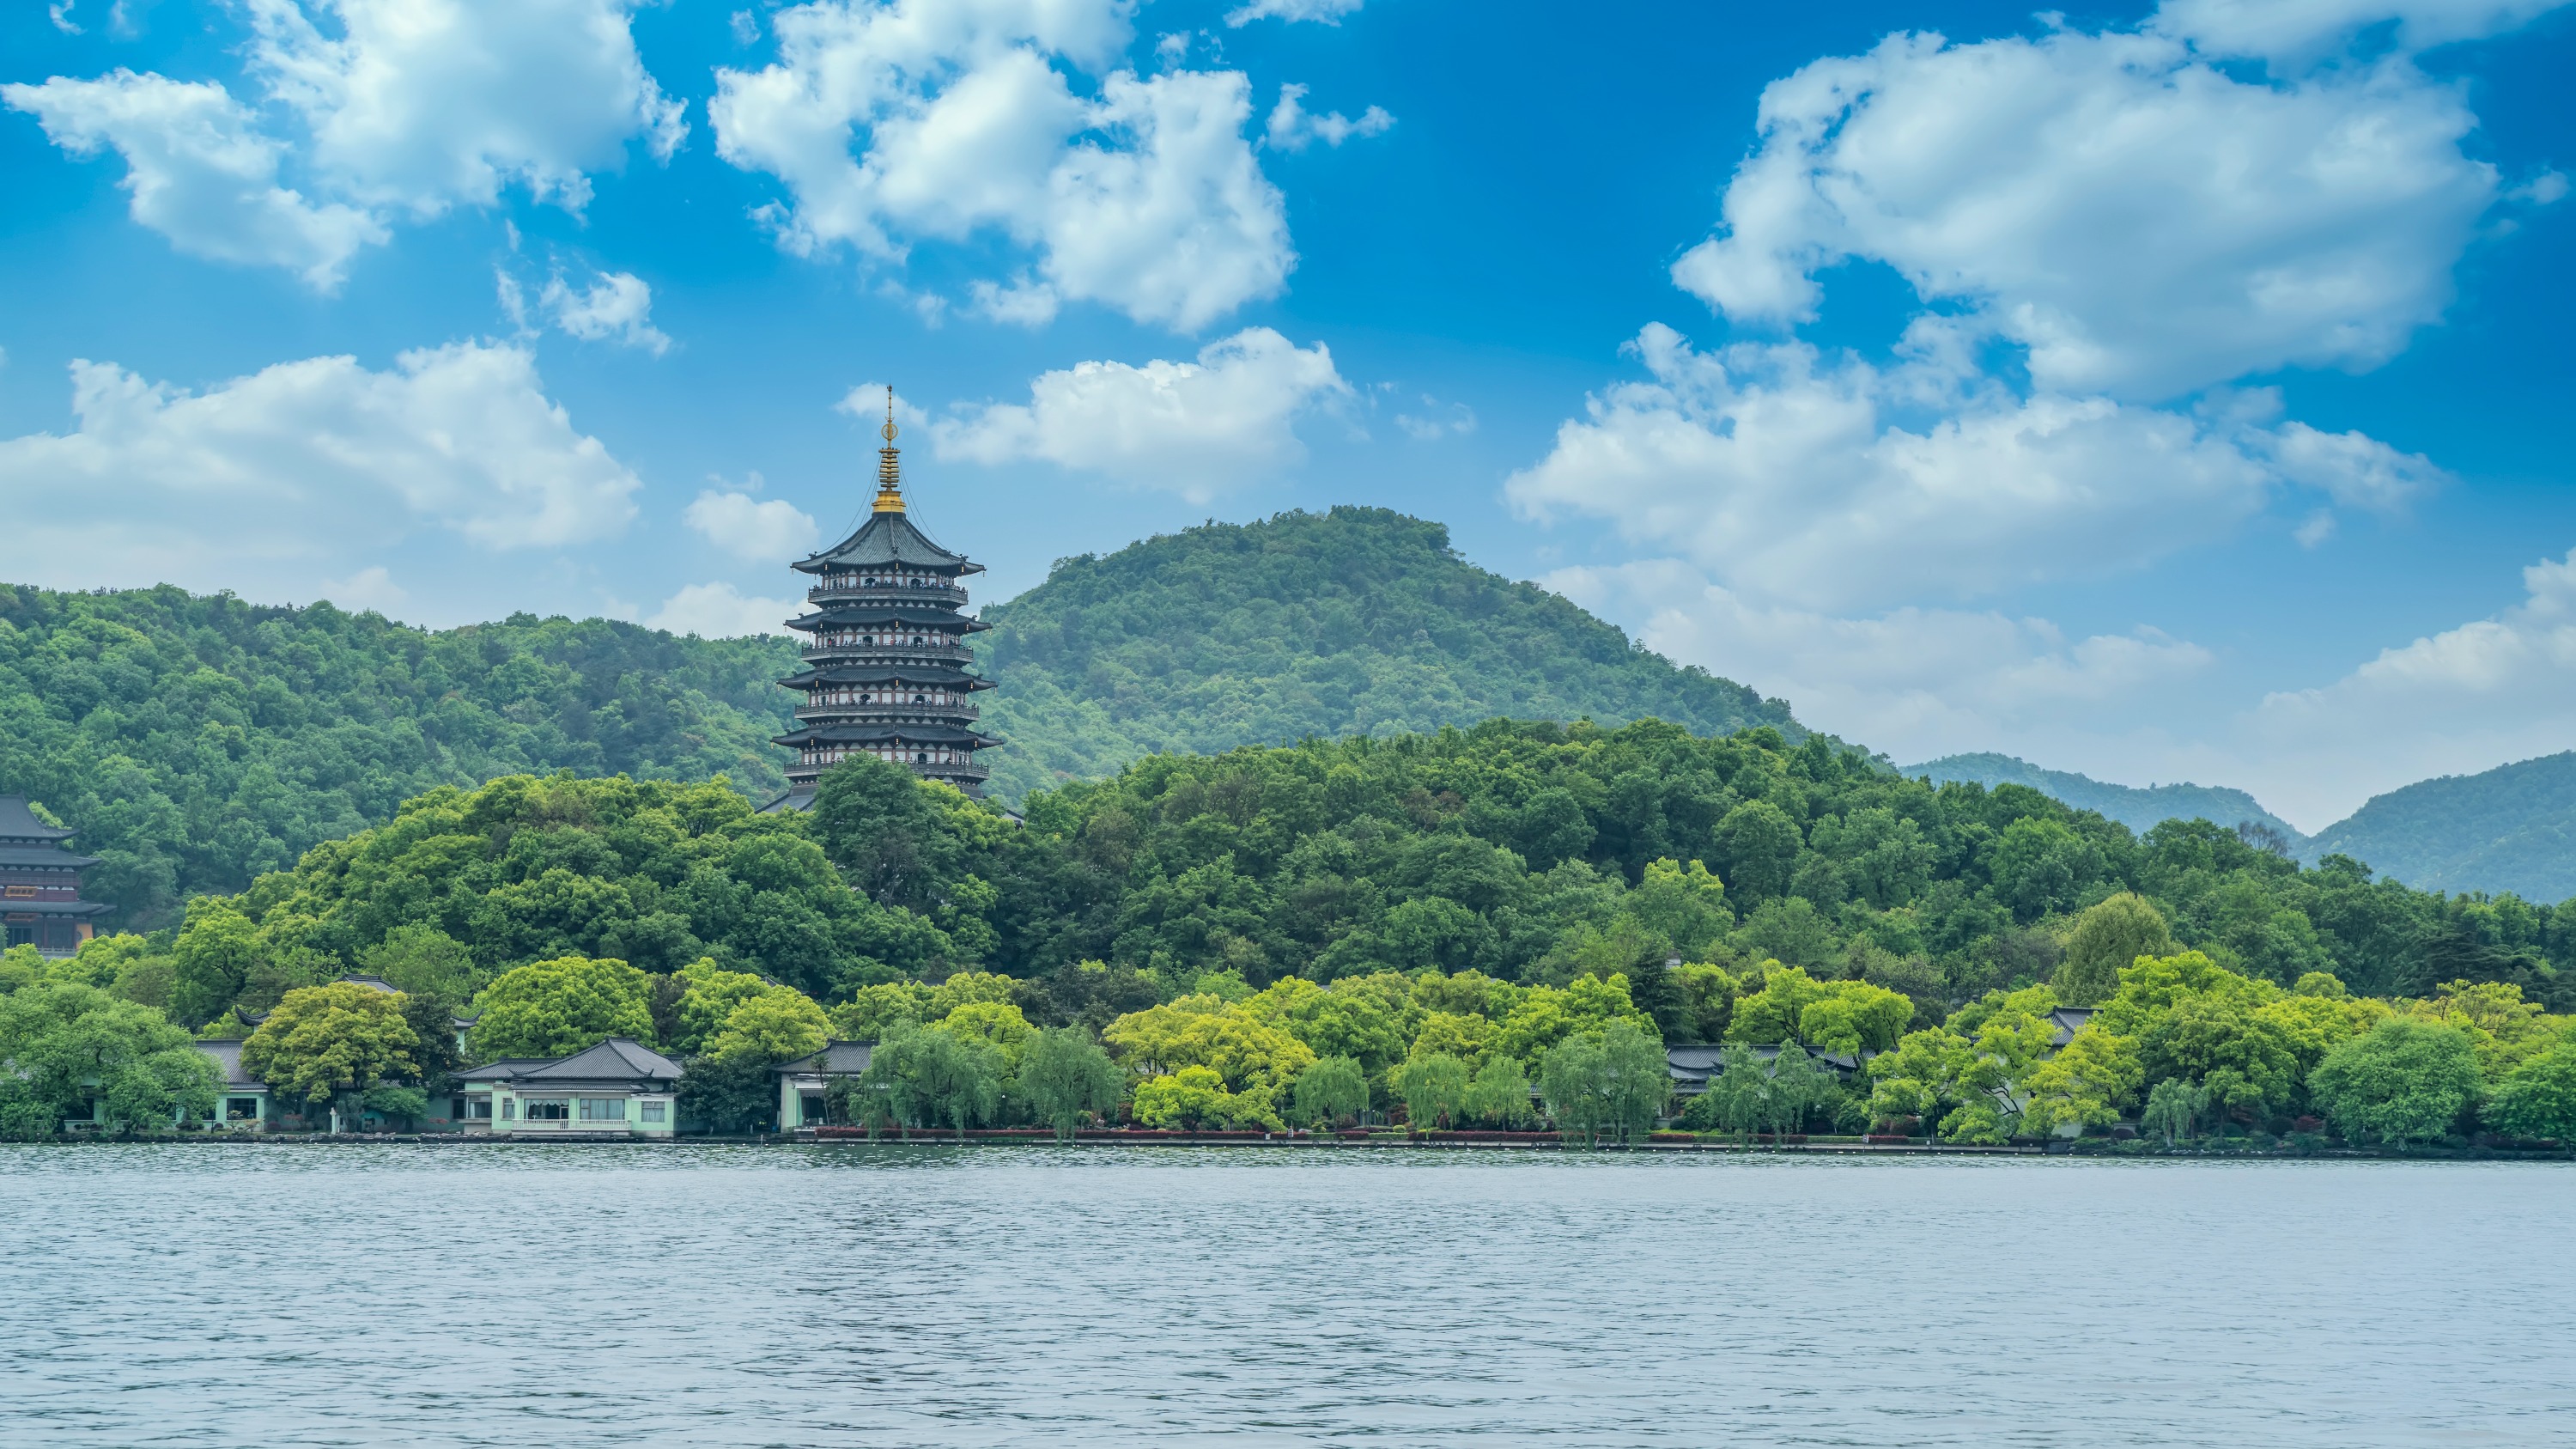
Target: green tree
{"x": 1574, "y": 1081}
{"x": 435, "y": 1051}
{"x": 729, "y": 1095}
{"x": 554, "y": 1008}
{"x": 326, "y": 1042}
{"x": 2107, "y": 938}
{"x": 708, "y": 996}
{"x": 1332, "y": 1090}
{"x": 1063, "y": 1075}
{"x": 779, "y": 1025}
{"x": 2173, "y": 1106}
{"x": 1190, "y": 1097}
{"x": 64, "y": 1045}
{"x": 1500, "y": 1093}
{"x": 930, "y": 1076}
{"x": 1637, "y": 1080}
{"x": 2403, "y": 1081}
{"x": 1758, "y": 843}
{"x": 218, "y": 949}
{"x": 1798, "y": 1087}
{"x": 1433, "y": 1088}
{"x": 2539, "y": 1098}
{"x": 422, "y": 960}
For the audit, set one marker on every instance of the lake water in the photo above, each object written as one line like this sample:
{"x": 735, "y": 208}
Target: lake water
{"x": 854, "y": 1295}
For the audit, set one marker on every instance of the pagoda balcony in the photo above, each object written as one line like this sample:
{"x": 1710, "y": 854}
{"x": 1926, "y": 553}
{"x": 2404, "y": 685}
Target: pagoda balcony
{"x": 885, "y": 593}
{"x": 890, "y": 653}
{"x": 891, "y": 713}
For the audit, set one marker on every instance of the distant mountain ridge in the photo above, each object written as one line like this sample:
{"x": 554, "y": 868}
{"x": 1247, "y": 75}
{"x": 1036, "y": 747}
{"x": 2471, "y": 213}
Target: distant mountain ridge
{"x": 2139, "y": 809}
{"x": 1354, "y": 621}
{"x": 2512, "y": 828}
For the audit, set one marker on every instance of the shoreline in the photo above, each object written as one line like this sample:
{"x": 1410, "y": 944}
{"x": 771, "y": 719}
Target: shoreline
{"x": 1538, "y": 1142}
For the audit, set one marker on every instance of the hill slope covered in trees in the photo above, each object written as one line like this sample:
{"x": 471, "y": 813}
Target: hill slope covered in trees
{"x": 2140, "y": 810}
{"x": 197, "y": 742}
{"x": 1359, "y": 621}
{"x": 2512, "y": 828}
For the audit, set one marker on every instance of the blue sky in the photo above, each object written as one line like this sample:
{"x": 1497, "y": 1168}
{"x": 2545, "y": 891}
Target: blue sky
{"x": 2158, "y": 392}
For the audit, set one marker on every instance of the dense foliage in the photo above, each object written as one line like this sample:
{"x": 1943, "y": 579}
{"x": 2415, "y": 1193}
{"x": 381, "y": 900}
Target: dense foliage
{"x": 1440, "y": 923}
{"x": 196, "y": 742}
{"x": 2512, "y": 828}
{"x": 1359, "y": 621}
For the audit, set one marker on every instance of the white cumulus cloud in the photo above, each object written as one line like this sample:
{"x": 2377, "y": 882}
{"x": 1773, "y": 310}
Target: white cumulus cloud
{"x": 198, "y": 171}
{"x": 302, "y": 469}
{"x": 617, "y": 306}
{"x": 752, "y": 528}
{"x": 895, "y": 124}
{"x": 375, "y": 109}
{"x": 2141, "y": 222}
{"x": 2469, "y": 698}
{"x": 1830, "y": 483}
{"x": 1916, "y": 682}
{"x": 1194, "y": 428}
{"x": 1293, "y": 128}
{"x": 721, "y": 611}
{"x": 1328, "y": 12}
{"x": 2302, "y": 31}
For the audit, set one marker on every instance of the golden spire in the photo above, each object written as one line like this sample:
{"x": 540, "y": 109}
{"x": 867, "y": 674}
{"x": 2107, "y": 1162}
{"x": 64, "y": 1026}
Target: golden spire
{"x": 889, "y": 475}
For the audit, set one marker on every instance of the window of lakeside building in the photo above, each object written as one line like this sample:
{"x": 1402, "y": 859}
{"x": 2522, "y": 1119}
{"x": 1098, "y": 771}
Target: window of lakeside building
{"x": 549, "y": 1109}
{"x": 603, "y": 1109}
{"x": 652, "y": 1111}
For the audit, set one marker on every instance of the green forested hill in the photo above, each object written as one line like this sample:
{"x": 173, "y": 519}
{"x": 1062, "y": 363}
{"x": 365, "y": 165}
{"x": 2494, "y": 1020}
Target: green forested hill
{"x": 1359, "y": 621}
{"x": 198, "y": 742}
{"x": 2139, "y": 809}
{"x": 2512, "y": 828}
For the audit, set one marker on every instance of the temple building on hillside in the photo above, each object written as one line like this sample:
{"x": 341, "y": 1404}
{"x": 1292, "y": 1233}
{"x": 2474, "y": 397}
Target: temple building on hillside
{"x": 40, "y": 883}
{"x": 886, "y": 671}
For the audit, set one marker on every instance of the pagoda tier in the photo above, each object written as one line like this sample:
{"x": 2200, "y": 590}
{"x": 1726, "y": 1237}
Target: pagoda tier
{"x": 40, "y": 883}
{"x": 886, "y": 665}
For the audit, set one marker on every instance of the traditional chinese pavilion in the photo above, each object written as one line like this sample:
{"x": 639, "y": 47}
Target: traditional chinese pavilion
{"x": 40, "y": 883}
{"x": 886, "y": 671}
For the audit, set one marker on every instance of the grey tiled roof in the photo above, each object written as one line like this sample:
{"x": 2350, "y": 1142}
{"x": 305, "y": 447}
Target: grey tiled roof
{"x": 841, "y": 1058}
{"x": 2069, "y": 1020}
{"x": 863, "y": 734}
{"x": 868, "y": 613}
{"x": 887, "y": 538}
{"x": 1698, "y": 1062}
{"x": 618, "y": 1059}
{"x": 17, "y": 822}
{"x": 227, "y": 1055}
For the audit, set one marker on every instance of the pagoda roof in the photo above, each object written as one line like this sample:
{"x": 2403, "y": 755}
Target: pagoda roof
{"x": 875, "y": 734}
{"x": 872, "y": 613}
{"x": 54, "y": 908}
{"x": 903, "y": 673}
{"x": 17, "y": 822}
{"x": 14, "y": 852}
{"x": 887, "y": 538}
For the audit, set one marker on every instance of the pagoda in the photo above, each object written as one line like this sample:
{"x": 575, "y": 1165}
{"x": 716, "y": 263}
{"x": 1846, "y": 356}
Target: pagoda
{"x": 886, "y": 671}
{"x": 40, "y": 883}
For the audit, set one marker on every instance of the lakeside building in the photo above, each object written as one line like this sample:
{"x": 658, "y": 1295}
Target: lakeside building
{"x": 1691, "y": 1066}
{"x": 804, "y": 1085}
{"x": 40, "y": 883}
{"x": 886, "y": 670}
{"x": 619, "y": 1087}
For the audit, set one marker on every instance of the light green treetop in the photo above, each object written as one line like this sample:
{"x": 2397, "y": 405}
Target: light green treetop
{"x": 558, "y": 1007}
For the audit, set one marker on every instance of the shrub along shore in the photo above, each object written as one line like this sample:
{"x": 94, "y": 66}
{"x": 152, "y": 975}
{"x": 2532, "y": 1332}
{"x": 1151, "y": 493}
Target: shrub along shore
{"x": 1500, "y": 928}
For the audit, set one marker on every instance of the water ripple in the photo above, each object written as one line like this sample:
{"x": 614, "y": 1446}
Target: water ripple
{"x": 890, "y": 1296}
